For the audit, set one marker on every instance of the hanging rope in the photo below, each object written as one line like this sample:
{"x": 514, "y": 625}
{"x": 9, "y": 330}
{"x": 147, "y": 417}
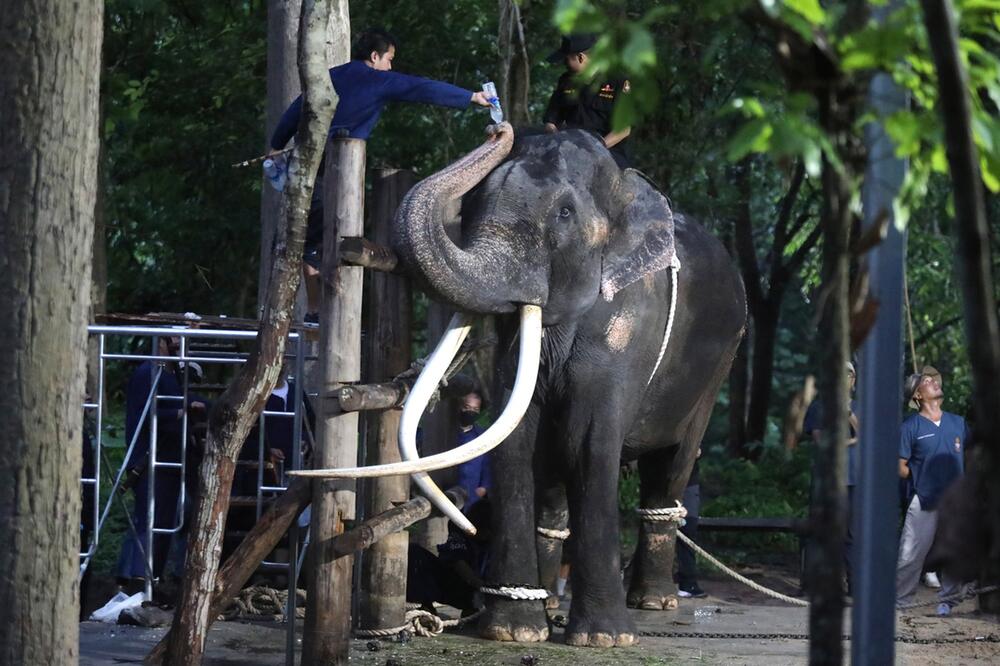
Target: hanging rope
{"x": 909, "y": 319}
{"x": 675, "y": 267}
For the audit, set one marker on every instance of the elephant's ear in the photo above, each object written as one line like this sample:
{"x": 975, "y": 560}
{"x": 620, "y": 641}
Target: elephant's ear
{"x": 642, "y": 239}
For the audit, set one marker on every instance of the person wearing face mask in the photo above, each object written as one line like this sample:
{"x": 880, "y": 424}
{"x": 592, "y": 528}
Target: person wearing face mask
{"x": 475, "y": 475}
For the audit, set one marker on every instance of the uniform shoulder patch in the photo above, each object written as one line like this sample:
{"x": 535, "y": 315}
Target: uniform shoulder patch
{"x": 626, "y": 87}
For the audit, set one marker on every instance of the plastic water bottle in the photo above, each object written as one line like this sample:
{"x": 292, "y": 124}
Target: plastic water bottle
{"x": 490, "y": 90}
{"x": 275, "y": 172}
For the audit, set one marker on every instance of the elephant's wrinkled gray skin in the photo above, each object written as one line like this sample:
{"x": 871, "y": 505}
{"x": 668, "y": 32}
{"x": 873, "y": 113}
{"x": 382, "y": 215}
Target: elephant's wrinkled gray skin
{"x": 558, "y": 224}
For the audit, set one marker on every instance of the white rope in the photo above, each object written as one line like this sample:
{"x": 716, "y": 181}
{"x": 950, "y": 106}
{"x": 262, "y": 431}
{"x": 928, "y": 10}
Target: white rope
{"x": 419, "y": 622}
{"x": 560, "y": 535}
{"x": 675, "y": 266}
{"x": 521, "y": 593}
{"x": 673, "y": 514}
{"x": 743, "y": 579}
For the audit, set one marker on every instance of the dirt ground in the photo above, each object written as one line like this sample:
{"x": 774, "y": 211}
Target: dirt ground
{"x": 730, "y": 608}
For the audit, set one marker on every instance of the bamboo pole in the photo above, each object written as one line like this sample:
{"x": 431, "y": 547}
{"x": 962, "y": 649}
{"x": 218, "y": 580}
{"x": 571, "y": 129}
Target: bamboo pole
{"x": 327, "y": 632}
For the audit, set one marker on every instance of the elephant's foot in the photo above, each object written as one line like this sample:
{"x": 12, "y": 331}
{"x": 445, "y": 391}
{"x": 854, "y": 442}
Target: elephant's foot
{"x": 652, "y": 597}
{"x": 511, "y": 620}
{"x": 601, "y": 629}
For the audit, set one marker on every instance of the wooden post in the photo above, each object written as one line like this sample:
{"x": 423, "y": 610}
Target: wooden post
{"x": 383, "y": 569}
{"x": 327, "y": 633}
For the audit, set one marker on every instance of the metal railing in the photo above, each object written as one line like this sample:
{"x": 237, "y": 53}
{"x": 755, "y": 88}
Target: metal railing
{"x": 296, "y": 352}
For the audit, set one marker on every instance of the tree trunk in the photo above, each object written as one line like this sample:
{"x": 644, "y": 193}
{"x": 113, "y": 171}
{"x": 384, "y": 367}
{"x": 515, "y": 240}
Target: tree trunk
{"x": 513, "y": 80}
{"x": 247, "y": 557}
{"x": 383, "y": 602}
{"x": 972, "y": 263}
{"x": 49, "y": 91}
{"x": 765, "y": 335}
{"x": 238, "y": 408}
{"x": 282, "y": 87}
{"x": 827, "y": 517}
{"x": 738, "y": 376}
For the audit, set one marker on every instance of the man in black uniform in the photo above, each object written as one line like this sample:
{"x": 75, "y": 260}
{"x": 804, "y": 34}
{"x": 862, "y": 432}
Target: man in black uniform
{"x": 578, "y": 104}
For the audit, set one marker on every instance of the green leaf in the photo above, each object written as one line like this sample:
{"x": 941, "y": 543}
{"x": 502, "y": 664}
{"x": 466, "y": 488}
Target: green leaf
{"x": 808, "y": 9}
{"x": 753, "y": 137}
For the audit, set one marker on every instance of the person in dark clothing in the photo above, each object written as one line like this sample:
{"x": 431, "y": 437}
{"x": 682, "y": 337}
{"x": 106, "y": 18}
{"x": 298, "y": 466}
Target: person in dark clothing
{"x": 687, "y": 566}
{"x": 278, "y": 440}
{"x": 579, "y": 104}
{"x": 475, "y": 475}
{"x": 169, "y": 419}
{"x": 813, "y": 426}
{"x": 364, "y": 86}
{"x": 455, "y": 574}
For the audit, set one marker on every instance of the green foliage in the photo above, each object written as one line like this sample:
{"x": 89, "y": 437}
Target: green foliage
{"x": 776, "y": 486}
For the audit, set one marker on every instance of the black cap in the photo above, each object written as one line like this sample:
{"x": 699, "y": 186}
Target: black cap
{"x": 576, "y": 43}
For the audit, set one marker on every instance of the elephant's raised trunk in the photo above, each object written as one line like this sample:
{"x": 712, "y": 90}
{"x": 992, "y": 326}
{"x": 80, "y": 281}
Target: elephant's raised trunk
{"x": 420, "y": 240}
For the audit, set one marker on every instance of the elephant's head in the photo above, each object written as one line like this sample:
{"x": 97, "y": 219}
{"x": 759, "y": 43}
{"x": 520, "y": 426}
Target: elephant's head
{"x": 556, "y": 224}
{"x": 551, "y": 229}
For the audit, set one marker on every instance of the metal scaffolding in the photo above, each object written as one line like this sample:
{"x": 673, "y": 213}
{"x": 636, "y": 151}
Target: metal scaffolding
{"x": 188, "y": 353}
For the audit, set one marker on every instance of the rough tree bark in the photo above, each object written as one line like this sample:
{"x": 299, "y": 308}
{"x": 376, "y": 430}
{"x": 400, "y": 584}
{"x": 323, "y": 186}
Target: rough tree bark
{"x": 513, "y": 80}
{"x": 49, "y": 91}
{"x": 282, "y": 87}
{"x": 972, "y": 263}
{"x": 237, "y": 408}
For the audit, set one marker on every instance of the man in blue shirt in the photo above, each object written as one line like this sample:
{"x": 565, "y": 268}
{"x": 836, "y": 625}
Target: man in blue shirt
{"x": 931, "y": 448}
{"x": 364, "y": 86}
{"x": 475, "y": 476}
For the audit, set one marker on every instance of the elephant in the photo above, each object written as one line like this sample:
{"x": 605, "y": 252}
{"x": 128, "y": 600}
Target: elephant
{"x": 630, "y": 318}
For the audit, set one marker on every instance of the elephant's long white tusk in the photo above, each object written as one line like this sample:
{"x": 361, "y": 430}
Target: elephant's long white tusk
{"x": 416, "y": 403}
{"x": 517, "y": 405}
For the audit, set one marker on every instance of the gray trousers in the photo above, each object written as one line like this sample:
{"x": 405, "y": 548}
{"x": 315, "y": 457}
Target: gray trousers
{"x": 918, "y": 536}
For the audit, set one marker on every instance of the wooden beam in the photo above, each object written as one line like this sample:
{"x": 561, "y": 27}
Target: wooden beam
{"x": 371, "y": 397}
{"x": 327, "y": 632}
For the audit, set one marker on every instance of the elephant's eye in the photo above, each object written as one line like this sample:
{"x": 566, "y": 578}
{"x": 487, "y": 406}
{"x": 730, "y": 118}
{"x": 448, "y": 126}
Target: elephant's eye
{"x": 565, "y": 212}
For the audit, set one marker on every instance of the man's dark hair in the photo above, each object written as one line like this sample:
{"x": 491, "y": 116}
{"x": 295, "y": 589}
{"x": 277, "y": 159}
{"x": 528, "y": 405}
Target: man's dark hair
{"x": 373, "y": 39}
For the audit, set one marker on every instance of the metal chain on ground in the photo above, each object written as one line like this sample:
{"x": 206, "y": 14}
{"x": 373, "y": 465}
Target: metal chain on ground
{"x": 419, "y": 622}
{"x": 990, "y": 638}
{"x": 559, "y": 535}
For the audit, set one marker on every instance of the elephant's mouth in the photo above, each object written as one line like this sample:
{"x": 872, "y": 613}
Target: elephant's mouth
{"x": 530, "y": 337}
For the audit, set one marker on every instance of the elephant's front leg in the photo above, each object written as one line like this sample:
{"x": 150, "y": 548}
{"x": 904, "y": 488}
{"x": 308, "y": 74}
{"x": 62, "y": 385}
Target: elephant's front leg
{"x": 513, "y": 558}
{"x": 598, "y": 616}
{"x": 652, "y": 586}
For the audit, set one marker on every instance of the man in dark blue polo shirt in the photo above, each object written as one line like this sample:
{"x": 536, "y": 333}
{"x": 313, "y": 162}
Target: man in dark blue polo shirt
{"x": 364, "y": 86}
{"x": 932, "y": 445}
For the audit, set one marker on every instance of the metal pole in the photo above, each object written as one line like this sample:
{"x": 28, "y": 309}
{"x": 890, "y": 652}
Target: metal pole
{"x": 293, "y": 531}
{"x": 151, "y": 484}
{"x": 875, "y": 517}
